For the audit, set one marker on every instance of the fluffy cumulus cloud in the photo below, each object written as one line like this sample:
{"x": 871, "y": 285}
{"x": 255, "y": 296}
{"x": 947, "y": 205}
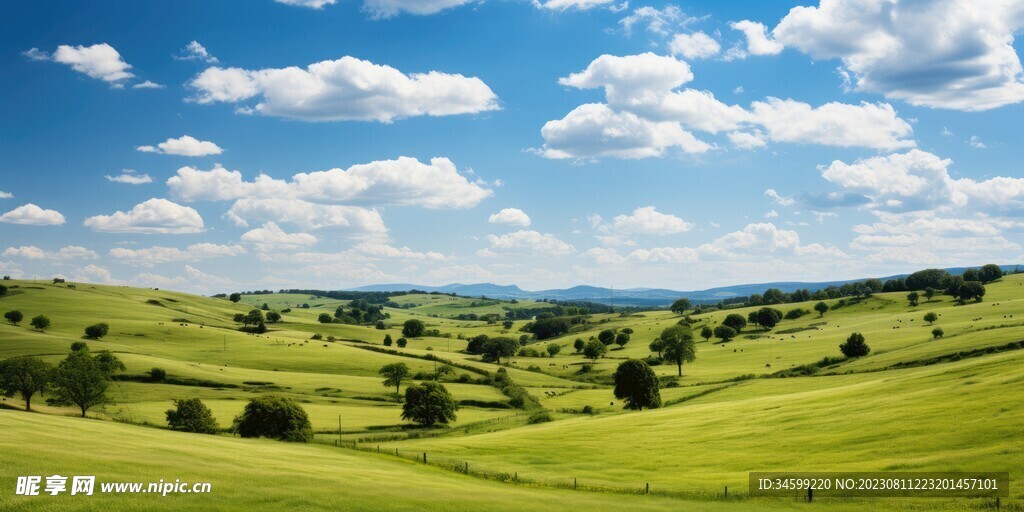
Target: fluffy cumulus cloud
{"x": 271, "y": 237}
{"x": 186, "y": 145}
{"x": 155, "y": 216}
{"x": 562, "y": 5}
{"x": 764, "y": 239}
{"x": 529, "y": 242}
{"x": 511, "y": 217}
{"x": 307, "y": 215}
{"x": 919, "y": 180}
{"x": 158, "y": 254}
{"x": 648, "y": 220}
{"x": 778, "y": 198}
{"x": 955, "y": 54}
{"x": 378, "y": 250}
{"x": 391, "y": 8}
{"x": 697, "y": 45}
{"x": 343, "y": 90}
{"x": 195, "y": 51}
{"x": 404, "y": 181}
{"x": 758, "y": 42}
{"x": 6, "y": 195}
{"x": 100, "y": 61}
{"x": 71, "y": 252}
{"x": 648, "y": 112}
{"x": 130, "y": 177}
{"x": 191, "y": 279}
{"x": 32, "y": 215}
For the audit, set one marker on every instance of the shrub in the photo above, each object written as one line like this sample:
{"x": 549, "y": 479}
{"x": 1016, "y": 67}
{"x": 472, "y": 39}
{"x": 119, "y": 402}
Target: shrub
{"x": 317, "y": 337}
{"x": 855, "y": 346}
{"x": 79, "y": 345}
{"x": 587, "y": 409}
{"x": 795, "y": 313}
{"x": 273, "y": 317}
{"x": 540, "y": 417}
{"x": 402, "y": 342}
{"x": 274, "y": 417}
{"x": 938, "y": 333}
{"x": 554, "y": 349}
{"x": 387, "y": 340}
{"x": 157, "y": 374}
{"x": 96, "y": 331}
{"x": 14, "y": 317}
{"x": 191, "y": 415}
{"x": 325, "y": 318}
{"x": 40, "y": 322}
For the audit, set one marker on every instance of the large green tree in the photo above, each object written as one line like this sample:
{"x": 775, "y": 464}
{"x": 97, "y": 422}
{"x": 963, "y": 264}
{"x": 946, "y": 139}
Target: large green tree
{"x": 855, "y": 346}
{"x": 637, "y": 384}
{"x": 82, "y": 379}
{"x": 25, "y": 376}
{"x": 394, "y": 374}
{"x": 678, "y": 346}
{"x": 736, "y": 321}
{"x": 413, "y": 328}
{"x": 680, "y": 306}
{"x": 428, "y": 404}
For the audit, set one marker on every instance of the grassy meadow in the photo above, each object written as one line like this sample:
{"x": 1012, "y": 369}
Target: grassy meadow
{"x": 916, "y": 403}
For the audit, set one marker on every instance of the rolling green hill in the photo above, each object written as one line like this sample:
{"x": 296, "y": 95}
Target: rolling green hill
{"x": 757, "y": 403}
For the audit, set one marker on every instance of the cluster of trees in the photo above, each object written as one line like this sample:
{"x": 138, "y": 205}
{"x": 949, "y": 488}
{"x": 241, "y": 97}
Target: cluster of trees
{"x": 492, "y": 349}
{"x": 81, "y": 379}
{"x": 253, "y": 321}
{"x": 270, "y": 416}
{"x": 39, "y": 322}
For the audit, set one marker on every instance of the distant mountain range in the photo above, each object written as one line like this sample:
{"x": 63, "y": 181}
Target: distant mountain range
{"x": 624, "y": 297}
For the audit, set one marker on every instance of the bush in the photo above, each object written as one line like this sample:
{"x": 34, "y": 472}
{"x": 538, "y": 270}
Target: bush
{"x": 413, "y": 328}
{"x": 191, "y": 415}
{"x": 14, "y": 317}
{"x": 938, "y": 333}
{"x": 79, "y": 345}
{"x": 325, "y": 318}
{"x": 157, "y": 375}
{"x": 97, "y": 331}
{"x": 554, "y": 349}
{"x": 540, "y": 417}
{"x": 40, "y": 322}
{"x": 380, "y": 325}
{"x": 587, "y": 409}
{"x": 317, "y": 337}
{"x": 274, "y": 417}
{"x": 387, "y": 340}
{"x": 855, "y": 346}
{"x": 273, "y": 317}
{"x": 402, "y": 342}
{"x": 795, "y": 313}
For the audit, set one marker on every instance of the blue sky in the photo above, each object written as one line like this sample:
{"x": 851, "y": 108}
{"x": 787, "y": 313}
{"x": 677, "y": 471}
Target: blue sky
{"x": 545, "y": 144}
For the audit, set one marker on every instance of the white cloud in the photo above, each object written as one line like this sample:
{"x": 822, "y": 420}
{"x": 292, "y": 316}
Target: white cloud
{"x": 148, "y": 84}
{"x": 510, "y": 216}
{"x": 312, "y": 4}
{"x": 648, "y": 220}
{"x": 665, "y": 255}
{"x": 595, "y": 130}
{"x": 747, "y": 140}
{"x": 346, "y": 89}
{"x": 130, "y": 177}
{"x": 155, "y": 216}
{"x": 869, "y": 125}
{"x": 6, "y": 195}
{"x": 388, "y": 251}
{"x": 697, "y": 45}
{"x": 530, "y": 242}
{"x": 771, "y": 214}
{"x": 32, "y": 252}
{"x": 658, "y": 21}
{"x": 271, "y": 237}
{"x": 764, "y": 239}
{"x": 36, "y": 54}
{"x": 33, "y": 215}
{"x": 403, "y": 181}
{"x": 604, "y": 255}
{"x": 647, "y": 113}
{"x": 306, "y": 215}
{"x": 391, "y": 8}
{"x": 778, "y": 199}
{"x": 157, "y": 254}
{"x": 99, "y": 61}
{"x": 185, "y": 145}
{"x": 191, "y": 279}
{"x": 758, "y": 42}
{"x": 562, "y": 5}
{"x": 976, "y": 143}
{"x": 955, "y": 54}
{"x": 197, "y": 52}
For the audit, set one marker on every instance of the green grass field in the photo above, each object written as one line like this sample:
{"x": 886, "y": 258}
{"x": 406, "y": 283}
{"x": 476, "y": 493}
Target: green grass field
{"x": 914, "y": 404}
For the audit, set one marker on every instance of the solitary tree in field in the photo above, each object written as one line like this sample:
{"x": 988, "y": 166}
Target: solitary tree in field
{"x": 621, "y": 339}
{"x": 97, "y": 331}
{"x": 394, "y": 374}
{"x": 14, "y": 317}
{"x": 274, "y": 417}
{"x": 930, "y": 317}
{"x": 428, "y": 404}
{"x": 706, "y": 333}
{"x": 235, "y": 297}
{"x": 413, "y": 328}
{"x": 678, "y": 346}
{"x": 191, "y": 415}
{"x": 637, "y": 385}
{"x": 938, "y": 333}
{"x": 402, "y": 342}
{"x": 821, "y": 308}
{"x": 387, "y": 340}
{"x": 40, "y": 322}
{"x": 594, "y": 349}
{"x": 929, "y": 293}
{"x": 680, "y": 306}
{"x": 912, "y": 298}
{"x": 554, "y": 349}
{"x": 497, "y": 348}
{"x": 324, "y": 318}
{"x": 725, "y": 333}
{"x": 855, "y": 346}
{"x": 578, "y": 344}
{"x": 736, "y": 321}
{"x": 82, "y": 380}
{"x": 25, "y": 376}
{"x": 273, "y": 317}
{"x": 606, "y": 336}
